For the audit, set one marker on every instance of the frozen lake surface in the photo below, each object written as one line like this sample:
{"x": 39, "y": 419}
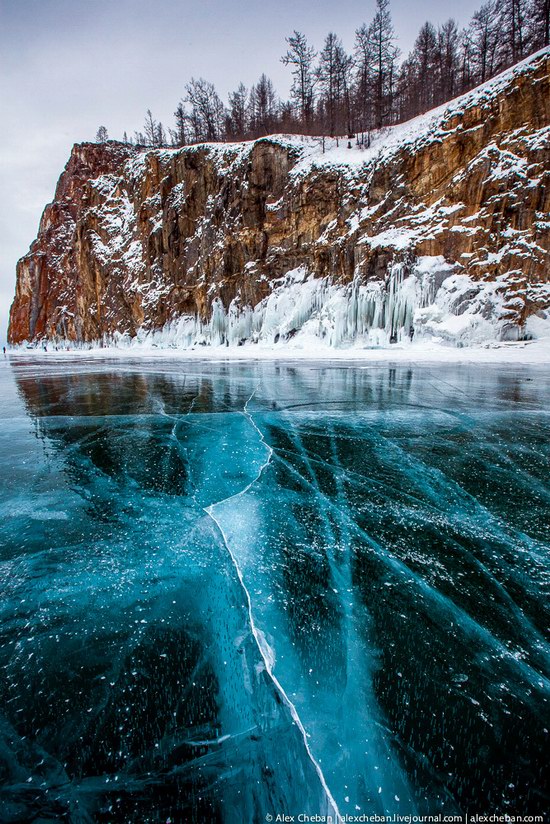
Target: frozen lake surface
{"x": 237, "y": 590}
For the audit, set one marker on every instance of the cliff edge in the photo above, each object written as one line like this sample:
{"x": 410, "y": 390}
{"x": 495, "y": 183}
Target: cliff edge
{"x": 440, "y": 227}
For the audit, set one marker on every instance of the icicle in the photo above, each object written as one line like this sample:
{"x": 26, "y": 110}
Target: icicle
{"x": 218, "y": 324}
{"x": 419, "y": 295}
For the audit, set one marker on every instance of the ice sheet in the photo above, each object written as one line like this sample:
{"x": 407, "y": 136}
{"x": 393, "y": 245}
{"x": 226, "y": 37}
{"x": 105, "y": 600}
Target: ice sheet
{"x": 237, "y": 590}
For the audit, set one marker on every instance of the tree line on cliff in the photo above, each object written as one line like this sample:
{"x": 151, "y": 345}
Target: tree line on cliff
{"x": 339, "y": 93}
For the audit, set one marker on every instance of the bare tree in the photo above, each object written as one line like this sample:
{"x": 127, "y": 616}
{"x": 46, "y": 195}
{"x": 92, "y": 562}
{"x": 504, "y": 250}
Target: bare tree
{"x": 540, "y": 24}
{"x": 484, "y": 34}
{"x": 448, "y": 39}
{"x": 364, "y": 56}
{"x": 161, "y": 136}
{"x": 207, "y": 115}
{"x": 237, "y": 116}
{"x": 153, "y": 132}
{"x": 513, "y": 24}
{"x": 425, "y": 58}
{"x": 262, "y": 107}
{"x": 333, "y": 76}
{"x": 150, "y": 129}
{"x": 368, "y": 90}
{"x": 467, "y": 60}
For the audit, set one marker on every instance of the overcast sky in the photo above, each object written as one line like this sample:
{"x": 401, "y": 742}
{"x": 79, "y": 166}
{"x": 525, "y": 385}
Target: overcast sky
{"x": 67, "y": 66}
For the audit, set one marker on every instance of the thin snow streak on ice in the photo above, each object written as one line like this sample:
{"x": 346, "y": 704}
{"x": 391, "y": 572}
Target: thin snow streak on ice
{"x": 453, "y": 611}
{"x": 358, "y": 727}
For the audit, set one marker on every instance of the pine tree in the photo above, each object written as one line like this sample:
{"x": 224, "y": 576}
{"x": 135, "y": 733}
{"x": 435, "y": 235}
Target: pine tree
{"x": 447, "y": 62}
{"x": 150, "y": 129}
{"x": 301, "y": 56}
{"x": 179, "y": 134}
{"x": 102, "y": 135}
{"x": 385, "y": 53}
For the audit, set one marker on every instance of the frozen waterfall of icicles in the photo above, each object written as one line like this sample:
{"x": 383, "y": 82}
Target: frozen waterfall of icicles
{"x": 425, "y": 299}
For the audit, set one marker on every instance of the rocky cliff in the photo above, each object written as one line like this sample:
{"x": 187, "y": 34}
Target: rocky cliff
{"x": 440, "y": 227}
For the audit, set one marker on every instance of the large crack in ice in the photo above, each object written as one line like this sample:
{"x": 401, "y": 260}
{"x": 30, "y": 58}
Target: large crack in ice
{"x": 341, "y": 575}
{"x": 263, "y": 647}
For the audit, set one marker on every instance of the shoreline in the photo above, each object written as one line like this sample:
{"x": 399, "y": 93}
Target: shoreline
{"x": 535, "y": 352}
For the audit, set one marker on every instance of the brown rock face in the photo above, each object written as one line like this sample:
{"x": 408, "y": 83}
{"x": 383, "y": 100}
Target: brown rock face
{"x": 136, "y": 238}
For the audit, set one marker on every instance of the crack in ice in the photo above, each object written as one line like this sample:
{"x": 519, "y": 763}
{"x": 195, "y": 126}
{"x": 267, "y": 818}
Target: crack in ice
{"x": 263, "y": 647}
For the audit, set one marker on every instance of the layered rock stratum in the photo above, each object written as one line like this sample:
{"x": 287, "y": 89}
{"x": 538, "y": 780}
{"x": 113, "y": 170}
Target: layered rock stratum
{"x": 440, "y": 228}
